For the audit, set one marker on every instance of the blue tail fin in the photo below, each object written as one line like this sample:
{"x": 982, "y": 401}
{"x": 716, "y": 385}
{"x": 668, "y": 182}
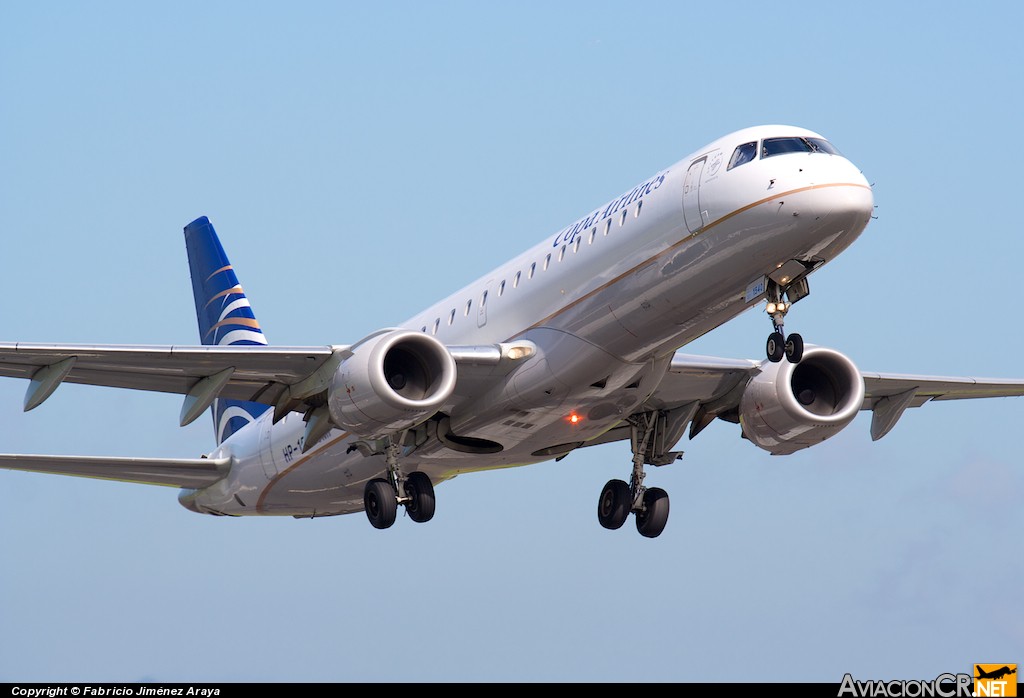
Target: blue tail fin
{"x": 224, "y": 314}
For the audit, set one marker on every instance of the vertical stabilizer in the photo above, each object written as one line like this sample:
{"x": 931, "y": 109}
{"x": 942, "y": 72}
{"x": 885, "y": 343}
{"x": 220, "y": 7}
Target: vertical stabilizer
{"x": 224, "y": 314}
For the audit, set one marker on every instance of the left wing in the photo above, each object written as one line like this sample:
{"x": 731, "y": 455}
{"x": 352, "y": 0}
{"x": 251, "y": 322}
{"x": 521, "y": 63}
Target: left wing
{"x": 712, "y": 388}
{"x": 888, "y": 394}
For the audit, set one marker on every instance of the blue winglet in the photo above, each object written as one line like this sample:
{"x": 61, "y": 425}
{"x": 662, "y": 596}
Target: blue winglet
{"x": 224, "y": 314}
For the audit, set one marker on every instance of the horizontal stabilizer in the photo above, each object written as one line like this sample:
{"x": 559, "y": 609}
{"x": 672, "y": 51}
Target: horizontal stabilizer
{"x": 191, "y": 473}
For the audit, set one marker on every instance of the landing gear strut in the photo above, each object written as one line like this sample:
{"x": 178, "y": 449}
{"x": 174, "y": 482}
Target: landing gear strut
{"x": 778, "y": 344}
{"x": 414, "y": 491}
{"x": 618, "y": 500}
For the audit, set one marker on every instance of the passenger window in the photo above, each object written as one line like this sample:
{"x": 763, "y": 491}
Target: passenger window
{"x": 437, "y": 323}
{"x": 547, "y": 261}
{"x": 561, "y": 253}
{"x": 515, "y": 279}
{"x": 607, "y": 226}
{"x": 576, "y": 245}
{"x": 533, "y": 268}
{"x": 781, "y": 146}
{"x": 636, "y": 214}
{"x": 501, "y": 287}
{"x": 622, "y": 218}
{"x": 469, "y": 304}
{"x": 483, "y": 300}
{"x": 451, "y": 316}
{"x": 593, "y": 234}
{"x": 743, "y": 154}
{"x": 423, "y": 329}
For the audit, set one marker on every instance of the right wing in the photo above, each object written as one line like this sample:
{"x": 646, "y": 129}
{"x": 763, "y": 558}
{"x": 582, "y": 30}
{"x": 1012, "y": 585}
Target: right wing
{"x": 252, "y": 373}
{"x": 257, "y": 370}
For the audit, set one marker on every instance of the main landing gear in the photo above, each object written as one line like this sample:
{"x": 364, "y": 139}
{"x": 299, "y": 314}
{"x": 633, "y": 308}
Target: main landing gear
{"x": 414, "y": 491}
{"x": 618, "y": 500}
{"x": 778, "y": 344}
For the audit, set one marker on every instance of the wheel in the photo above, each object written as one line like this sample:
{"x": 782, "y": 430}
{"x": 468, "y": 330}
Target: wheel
{"x": 380, "y": 503}
{"x": 776, "y": 347}
{"x": 794, "y": 348}
{"x": 614, "y": 505}
{"x": 651, "y": 521}
{"x": 420, "y": 491}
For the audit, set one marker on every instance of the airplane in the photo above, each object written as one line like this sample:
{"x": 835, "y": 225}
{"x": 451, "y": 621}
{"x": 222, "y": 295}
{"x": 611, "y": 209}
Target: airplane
{"x": 996, "y": 674}
{"x": 574, "y": 343}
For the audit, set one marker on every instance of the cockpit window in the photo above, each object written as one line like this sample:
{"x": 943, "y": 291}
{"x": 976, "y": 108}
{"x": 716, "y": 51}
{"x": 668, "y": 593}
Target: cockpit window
{"x": 743, "y": 154}
{"x": 796, "y": 144}
{"x": 823, "y": 146}
{"x": 780, "y": 146}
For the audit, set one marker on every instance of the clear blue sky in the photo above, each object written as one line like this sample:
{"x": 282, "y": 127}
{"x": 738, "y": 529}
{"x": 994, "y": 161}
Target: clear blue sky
{"x": 360, "y": 160}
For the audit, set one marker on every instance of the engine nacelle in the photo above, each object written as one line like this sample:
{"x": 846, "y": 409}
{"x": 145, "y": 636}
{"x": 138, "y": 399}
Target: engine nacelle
{"x": 394, "y": 380}
{"x": 788, "y": 406}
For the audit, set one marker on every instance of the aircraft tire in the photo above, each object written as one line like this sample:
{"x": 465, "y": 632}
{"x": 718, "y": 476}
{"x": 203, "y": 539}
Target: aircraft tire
{"x": 651, "y": 521}
{"x": 614, "y": 505}
{"x": 420, "y": 491}
{"x": 775, "y": 347}
{"x": 380, "y": 503}
{"x": 794, "y": 348}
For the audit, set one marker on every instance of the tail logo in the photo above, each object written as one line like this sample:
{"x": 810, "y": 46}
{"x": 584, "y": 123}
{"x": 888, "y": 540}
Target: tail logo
{"x": 236, "y": 318}
{"x": 224, "y": 315}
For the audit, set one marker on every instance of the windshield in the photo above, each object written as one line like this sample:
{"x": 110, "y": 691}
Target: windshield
{"x": 796, "y": 144}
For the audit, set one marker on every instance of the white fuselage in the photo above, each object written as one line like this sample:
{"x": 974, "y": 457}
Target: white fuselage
{"x": 606, "y": 300}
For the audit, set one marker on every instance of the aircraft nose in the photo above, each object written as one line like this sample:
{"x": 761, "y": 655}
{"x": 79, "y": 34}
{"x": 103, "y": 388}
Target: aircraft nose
{"x": 852, "y": 199}
{"x": 851, "y": 196}
{"x": 844, "y": 204}
{"x": 838, "y": 191}
{"x": 853, "y": 192}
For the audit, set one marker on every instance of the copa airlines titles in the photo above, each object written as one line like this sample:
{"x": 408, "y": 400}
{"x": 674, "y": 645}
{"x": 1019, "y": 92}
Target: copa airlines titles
{"x": 568, "y": 235}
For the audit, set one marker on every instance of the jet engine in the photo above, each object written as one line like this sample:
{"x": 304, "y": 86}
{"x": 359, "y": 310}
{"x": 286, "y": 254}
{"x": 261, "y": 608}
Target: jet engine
{"x": 393, "y": 380}
{"x": 788, "y": 407}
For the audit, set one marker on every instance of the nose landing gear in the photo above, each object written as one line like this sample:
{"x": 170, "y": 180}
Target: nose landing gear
{"x": 778, "y": 344}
